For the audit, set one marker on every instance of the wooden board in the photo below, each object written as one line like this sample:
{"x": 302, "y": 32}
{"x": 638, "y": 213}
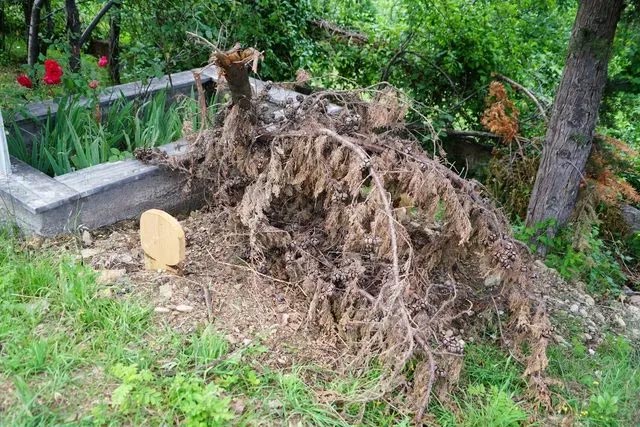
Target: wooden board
{"x": 162, "y": 239}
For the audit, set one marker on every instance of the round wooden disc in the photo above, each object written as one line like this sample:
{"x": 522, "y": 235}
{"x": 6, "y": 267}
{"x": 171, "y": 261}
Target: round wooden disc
{"x": 162, "y": 237}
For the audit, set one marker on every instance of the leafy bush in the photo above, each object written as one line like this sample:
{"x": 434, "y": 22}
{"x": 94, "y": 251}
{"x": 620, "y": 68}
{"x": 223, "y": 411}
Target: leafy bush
{"x": 592, "y": 262}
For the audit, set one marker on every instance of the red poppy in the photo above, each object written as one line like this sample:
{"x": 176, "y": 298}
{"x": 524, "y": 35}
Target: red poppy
{"x": 52, "y": 72}
{"x": 103, "y": 61}
{"x": 93, "y": 84}
{"x": 24, "y": 80}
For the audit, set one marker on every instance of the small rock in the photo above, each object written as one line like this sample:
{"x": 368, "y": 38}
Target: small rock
{"x": 110, "y": 276}
{"x": 634, "y": 312}
{"x": 274, "y": 404}
{"x": 448, "y": 333}
{"x": 492, "y": 281}
{"x": 599, "y": 317}
{"x": 634, "y": 300}
{"x": 284, "y": 319}
{"x": 591, "y": 351}
{"x": 589, "y": 301}
{"x": 183, "y": 308}
{"x": 634, "y": 334}
{"x": 575, "y": 308}
{"x": 238, "y": 406}
{"x": 105, "y": 293}
{"x": 559, "y": 339}
{"x": 619, "y": 322}
{"x": 86, "y": 238}
{"x": 165, "y": 291}
{"x": 583, "y": 312}
{"x": 162, "y": 310}
{"x": 89, "y": 253}
{"x": 588, "y": 337}
{"x": 246, "y": 341}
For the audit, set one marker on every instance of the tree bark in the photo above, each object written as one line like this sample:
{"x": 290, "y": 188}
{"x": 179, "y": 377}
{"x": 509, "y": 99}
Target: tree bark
{"x": 73, "y": 29}
{"x": 571, "y": 128}
{"x": 94, "y": 22}
{"x": 234, "y": 64}
{"x": 114, "y": 44}
{"x": 33, "y": 42}
{"x": 48, "y": 28}
{"x": 26, "y": 12}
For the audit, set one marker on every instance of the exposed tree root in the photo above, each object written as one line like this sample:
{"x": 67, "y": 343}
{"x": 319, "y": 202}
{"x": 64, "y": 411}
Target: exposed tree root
{"x": 398, "y": 255}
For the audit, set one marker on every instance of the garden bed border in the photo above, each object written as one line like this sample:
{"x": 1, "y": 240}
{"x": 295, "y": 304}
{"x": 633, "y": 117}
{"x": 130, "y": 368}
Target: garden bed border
{"x": 104, "y": 194}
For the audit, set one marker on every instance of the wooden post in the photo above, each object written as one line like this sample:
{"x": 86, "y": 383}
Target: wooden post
{"x": 5, "y": 164}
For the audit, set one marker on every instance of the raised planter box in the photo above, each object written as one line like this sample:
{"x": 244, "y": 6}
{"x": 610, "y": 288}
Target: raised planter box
{"x": 104, "y": 194}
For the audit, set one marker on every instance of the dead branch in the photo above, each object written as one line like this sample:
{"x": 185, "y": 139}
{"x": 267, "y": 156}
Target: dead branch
{"x": 471, "y": 133}
{"x": 382, "y": 193}
{"x": 340, "y": 32}
{"x": 527, "y": 92}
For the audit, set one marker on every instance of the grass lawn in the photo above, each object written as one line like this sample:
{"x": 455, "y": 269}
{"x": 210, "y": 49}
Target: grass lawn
{"x": 71, "y": 354}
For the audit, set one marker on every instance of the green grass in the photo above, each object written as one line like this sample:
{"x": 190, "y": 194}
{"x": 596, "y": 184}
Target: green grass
{"x": 603, "y": 388}
{"x": 70, "y": 356}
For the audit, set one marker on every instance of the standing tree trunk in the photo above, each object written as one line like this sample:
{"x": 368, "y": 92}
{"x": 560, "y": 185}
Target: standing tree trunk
{"x": 48, "y": 28}
{"x": 3, "y": 25}
{"x": 26, "y": 12}
{"x": 575, "y": 111}
{"x": 33, "y": 40}
{"x": 114, "y": 44}
{"x": 73, "y": 30}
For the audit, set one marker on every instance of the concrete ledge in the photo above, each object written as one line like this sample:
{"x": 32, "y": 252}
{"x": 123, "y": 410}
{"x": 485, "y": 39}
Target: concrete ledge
{"x": 93, "y": 197}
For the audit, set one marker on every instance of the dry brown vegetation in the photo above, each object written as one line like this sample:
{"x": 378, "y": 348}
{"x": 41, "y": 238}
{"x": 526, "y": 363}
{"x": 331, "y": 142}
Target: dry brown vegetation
{"x": 392, "y": 249}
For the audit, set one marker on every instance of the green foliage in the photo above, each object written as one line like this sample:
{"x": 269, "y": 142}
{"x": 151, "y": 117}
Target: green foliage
{"x": 489, "y": 383}
{"x": 189, "y": 398}
{"x": 592, "y": 261}
{"x": 76, "y": 139}
{"x": 491, "y": 406}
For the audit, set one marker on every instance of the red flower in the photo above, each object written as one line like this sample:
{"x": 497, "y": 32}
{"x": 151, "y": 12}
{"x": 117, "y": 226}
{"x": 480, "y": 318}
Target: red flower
{"x": 103, "y": 61}
{"x": 52, "y": 72}
{"x": 93, "y": 84}
{"x": 24, "y": 80}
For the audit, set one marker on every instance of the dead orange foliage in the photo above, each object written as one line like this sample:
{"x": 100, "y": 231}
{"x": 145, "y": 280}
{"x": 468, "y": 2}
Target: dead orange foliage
{"x": 501, "y": 116}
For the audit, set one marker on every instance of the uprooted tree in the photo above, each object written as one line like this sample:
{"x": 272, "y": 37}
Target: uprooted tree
{"x": 391, "y": 249}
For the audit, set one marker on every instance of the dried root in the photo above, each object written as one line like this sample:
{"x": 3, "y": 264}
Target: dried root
{"x": 397, "y": 254}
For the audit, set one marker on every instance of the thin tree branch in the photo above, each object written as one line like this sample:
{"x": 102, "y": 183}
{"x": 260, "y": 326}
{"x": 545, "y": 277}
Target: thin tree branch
{"x": 527, "y": 92}
{"x": 401, "y": 51}
{"x": 332, "y": 28}
{"x": 92, "y": 25}
{"x": 471, "y": 133}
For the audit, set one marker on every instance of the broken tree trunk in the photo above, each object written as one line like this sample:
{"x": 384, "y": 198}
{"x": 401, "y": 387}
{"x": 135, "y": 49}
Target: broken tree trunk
{"x": 234, "y": 66}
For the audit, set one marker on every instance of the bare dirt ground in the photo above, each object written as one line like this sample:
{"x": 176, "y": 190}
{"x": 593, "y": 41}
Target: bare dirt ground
{"x": 214, "y": 286}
